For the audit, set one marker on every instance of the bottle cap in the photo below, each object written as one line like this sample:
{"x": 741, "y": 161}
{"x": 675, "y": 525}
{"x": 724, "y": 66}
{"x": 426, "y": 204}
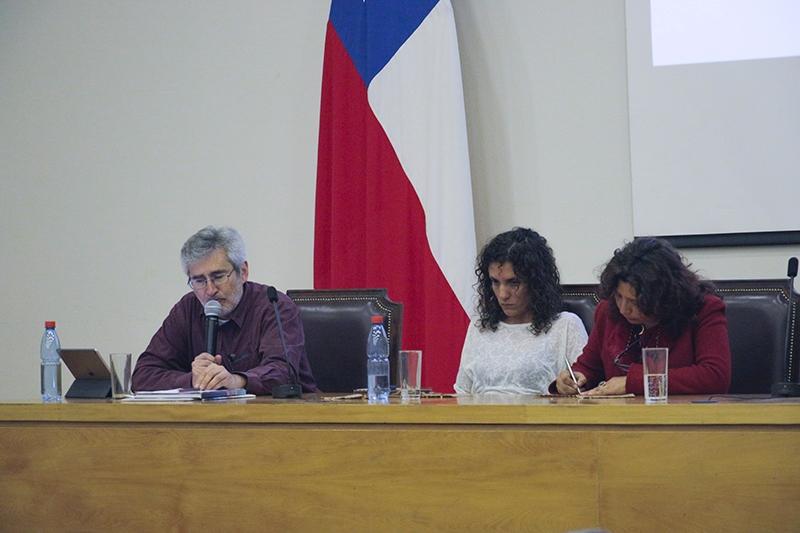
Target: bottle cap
{"x": 50, "y": 324}
{"x": 377, "y": 319}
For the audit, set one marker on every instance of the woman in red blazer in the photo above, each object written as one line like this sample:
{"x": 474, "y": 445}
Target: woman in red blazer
{"x": 650, "y": 298}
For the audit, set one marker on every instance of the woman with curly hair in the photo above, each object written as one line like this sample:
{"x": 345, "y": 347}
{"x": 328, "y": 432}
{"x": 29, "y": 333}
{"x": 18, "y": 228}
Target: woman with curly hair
{"x": 521, "y": 338}
{"x": 652, "y": 299}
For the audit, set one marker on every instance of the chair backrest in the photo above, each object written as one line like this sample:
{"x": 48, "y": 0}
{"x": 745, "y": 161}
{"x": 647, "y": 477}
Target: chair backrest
{"x": 581, "y": 300}
{"x": 336, "y": 323}
{"x": 757, "y": 312}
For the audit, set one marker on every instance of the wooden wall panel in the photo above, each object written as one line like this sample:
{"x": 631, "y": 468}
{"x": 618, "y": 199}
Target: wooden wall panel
{"x": 534, "y": 465}
{"x": 333, "y": 479}
{"x": 700, "y": 481}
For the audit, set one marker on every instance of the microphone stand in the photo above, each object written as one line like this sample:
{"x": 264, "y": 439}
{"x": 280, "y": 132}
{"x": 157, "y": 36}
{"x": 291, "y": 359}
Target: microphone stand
{"x": 284, "y": 390}
{"x": 788, "y": 389}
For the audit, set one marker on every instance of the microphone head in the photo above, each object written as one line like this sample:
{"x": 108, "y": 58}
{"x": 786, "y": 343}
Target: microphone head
{"x": 212, "y": 309}
{"x": 272, "y": 294}
{"x": 792, "y": 270}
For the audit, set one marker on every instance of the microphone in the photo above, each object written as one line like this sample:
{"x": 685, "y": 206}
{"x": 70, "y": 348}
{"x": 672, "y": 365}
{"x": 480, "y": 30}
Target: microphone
{"x": 212, "y": 309}
{"x": 285, "y": 390}
{"x": 791, "y": 270}
{"x": 788, "y": 388}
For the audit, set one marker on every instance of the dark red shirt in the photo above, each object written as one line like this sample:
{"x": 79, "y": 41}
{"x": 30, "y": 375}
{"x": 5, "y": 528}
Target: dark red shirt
{"x": 248, "y": 342}
{"x": 699, "y": 358}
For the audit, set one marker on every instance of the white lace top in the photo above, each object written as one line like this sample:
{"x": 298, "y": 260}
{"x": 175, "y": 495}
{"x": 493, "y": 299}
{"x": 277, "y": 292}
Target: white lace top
{"x": 515, "y": 361}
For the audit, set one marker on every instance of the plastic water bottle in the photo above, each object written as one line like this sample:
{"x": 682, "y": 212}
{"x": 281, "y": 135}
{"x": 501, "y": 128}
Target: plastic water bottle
{"x": 51, "y": 364}
{"x": 377, "y": 363}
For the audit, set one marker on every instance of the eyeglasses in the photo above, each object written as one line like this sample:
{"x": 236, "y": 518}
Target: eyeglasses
{"x": 217, "y": 278}
{"x": 634, "y": 339}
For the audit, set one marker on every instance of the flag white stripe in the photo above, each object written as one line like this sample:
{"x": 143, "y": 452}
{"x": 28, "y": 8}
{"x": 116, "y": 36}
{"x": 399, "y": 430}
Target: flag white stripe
{"x": 418, "y": 99}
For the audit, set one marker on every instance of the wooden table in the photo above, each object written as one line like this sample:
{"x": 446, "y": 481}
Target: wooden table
{"x": 481, "y": 463}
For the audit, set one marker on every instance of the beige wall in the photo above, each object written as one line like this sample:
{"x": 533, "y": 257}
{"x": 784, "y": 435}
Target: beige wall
{"x": 125, "y": 126}
{"x": 546, "y": 89}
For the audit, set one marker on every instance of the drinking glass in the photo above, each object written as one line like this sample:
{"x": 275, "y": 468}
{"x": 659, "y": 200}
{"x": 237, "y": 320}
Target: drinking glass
{"x": 409, "y": 375}
{"x": 655, "y": 374}
{"x": 120, "y": 375}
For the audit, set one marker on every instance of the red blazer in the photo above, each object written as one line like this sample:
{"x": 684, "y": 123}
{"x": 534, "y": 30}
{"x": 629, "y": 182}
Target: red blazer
{"x": 699, "y": 358}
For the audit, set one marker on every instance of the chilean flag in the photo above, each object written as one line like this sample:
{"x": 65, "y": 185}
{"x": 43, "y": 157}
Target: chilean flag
{"x": 394, "y": 194}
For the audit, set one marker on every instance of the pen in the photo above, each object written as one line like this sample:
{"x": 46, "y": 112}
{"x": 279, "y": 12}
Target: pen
{"x": 571, "y": 373}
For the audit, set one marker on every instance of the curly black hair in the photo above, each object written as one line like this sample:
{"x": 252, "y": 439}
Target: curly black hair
{"x": 666, "y": 288}
{"x": 534, "y": 265}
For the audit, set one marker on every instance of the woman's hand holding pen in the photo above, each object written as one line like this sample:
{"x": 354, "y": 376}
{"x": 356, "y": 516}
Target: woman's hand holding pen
{"x": 566, "y": 385}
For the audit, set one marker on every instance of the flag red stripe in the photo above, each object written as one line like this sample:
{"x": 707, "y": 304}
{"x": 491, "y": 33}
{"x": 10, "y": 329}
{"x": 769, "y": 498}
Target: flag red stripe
{"x": 370, "y": 224}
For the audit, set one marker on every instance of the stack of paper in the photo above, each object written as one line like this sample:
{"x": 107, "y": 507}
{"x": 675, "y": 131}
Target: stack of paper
{"x": 187, "y": 395}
